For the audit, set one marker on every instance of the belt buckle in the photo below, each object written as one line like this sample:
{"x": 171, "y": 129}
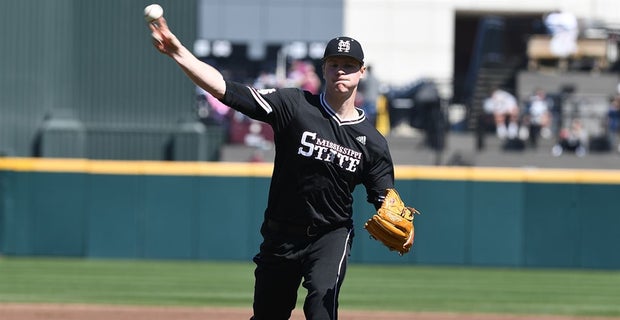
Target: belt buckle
{"x": 309, "y": 233}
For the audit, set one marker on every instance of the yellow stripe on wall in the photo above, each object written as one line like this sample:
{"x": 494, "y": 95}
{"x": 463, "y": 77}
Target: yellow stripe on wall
{"x": 242, "y": 169}
{"x": 136, "y": 167}
{"x": 509, "y": 174}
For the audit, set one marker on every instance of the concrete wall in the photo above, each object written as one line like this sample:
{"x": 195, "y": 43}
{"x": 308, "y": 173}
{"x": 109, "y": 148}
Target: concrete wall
{"x": 410, "y": 39}
{"x": 404, "y": 39}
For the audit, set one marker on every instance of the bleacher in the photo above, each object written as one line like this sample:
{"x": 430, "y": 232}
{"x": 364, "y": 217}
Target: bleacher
{"x": 460, "y": 150}
{"x": 587, "y": 48}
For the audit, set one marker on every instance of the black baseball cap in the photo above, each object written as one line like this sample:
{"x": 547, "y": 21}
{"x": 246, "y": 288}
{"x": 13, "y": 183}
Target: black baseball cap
{"x": 344, "y": 46}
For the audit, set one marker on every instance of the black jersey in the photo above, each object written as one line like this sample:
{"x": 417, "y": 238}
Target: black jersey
{"x": 319, "y": 157}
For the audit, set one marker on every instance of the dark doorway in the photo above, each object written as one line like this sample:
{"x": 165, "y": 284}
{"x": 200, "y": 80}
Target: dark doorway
{"x": 515, "y": 31}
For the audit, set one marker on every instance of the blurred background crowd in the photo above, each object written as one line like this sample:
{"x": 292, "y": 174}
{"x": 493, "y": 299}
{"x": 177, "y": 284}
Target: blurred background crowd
{"x": 499, "y": 84}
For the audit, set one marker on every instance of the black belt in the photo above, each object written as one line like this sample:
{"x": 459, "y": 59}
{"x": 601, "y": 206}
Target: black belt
{"x": 297, "y": 230}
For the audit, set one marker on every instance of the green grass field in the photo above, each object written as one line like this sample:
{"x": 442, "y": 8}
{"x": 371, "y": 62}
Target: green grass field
{"x": 395, "y": 288}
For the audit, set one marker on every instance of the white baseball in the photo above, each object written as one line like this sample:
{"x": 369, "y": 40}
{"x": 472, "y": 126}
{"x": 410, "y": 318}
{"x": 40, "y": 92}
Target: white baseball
{"x": 153, "y": 12}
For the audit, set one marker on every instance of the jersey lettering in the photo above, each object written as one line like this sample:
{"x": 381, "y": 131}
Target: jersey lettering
{"x": 324, "y": 150}
{"x": 304, "y": 142}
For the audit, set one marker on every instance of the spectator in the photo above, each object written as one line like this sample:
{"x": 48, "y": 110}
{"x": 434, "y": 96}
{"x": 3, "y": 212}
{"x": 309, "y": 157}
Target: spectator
{"x": 573, "y": 139}
{"x": 311, "y": 82}
{"x": 564, "y": 29}
{"x": 613, "y": 122}
{"x": 211, "y": 110}
{"x": 505, "y": 110}
{"x": 266, "y": 80}
{"x": 370, "y": 92}
{"x": 303, "y": 75}
{"x": 537, "y": 116}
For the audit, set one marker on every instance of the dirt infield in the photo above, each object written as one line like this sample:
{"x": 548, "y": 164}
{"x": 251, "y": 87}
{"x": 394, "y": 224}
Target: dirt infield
{"x": 107, "y": 312}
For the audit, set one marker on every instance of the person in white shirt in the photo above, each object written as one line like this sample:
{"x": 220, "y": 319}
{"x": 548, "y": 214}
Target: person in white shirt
{"x": 505, "y": 109}
{"x": 537, "y": 116}
{"x": 564, "y": 29}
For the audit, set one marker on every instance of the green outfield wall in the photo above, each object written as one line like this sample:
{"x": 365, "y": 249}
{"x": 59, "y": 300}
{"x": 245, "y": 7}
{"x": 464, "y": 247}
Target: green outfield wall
{"x": 81, "y": 79}
{"x": 213, "y": 211}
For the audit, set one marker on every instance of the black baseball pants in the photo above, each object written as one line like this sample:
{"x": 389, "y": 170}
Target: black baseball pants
{"x": 284, "y": 262}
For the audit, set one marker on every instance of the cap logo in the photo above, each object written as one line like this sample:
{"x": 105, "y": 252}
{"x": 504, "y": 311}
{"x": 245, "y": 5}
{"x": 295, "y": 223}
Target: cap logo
{"x": 344, "y": 46}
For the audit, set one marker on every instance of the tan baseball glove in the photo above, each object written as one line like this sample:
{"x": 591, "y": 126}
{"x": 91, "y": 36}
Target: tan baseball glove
{"x": 392, "y": 225}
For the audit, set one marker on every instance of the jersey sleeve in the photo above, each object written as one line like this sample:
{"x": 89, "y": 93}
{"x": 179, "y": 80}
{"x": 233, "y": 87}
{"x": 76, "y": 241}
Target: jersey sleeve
{"x": 273, "y": 106}
{"x": 380, "y": 175}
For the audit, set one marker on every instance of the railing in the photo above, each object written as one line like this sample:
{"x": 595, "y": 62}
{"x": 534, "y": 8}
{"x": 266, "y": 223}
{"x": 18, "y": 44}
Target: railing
{"x": 538, "y": 48}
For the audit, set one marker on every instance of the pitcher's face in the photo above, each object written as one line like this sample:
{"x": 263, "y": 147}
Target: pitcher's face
{"x": 342, "y": 74}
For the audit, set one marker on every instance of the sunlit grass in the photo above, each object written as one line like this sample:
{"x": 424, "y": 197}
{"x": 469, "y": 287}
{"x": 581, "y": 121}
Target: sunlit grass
{"x": 396, "y": 288}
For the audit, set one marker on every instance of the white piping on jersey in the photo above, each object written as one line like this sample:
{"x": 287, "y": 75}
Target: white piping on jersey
{"x": 342, "y": 260}
{"x": 335, "y": 116}
{"x": 260, "y": 100}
